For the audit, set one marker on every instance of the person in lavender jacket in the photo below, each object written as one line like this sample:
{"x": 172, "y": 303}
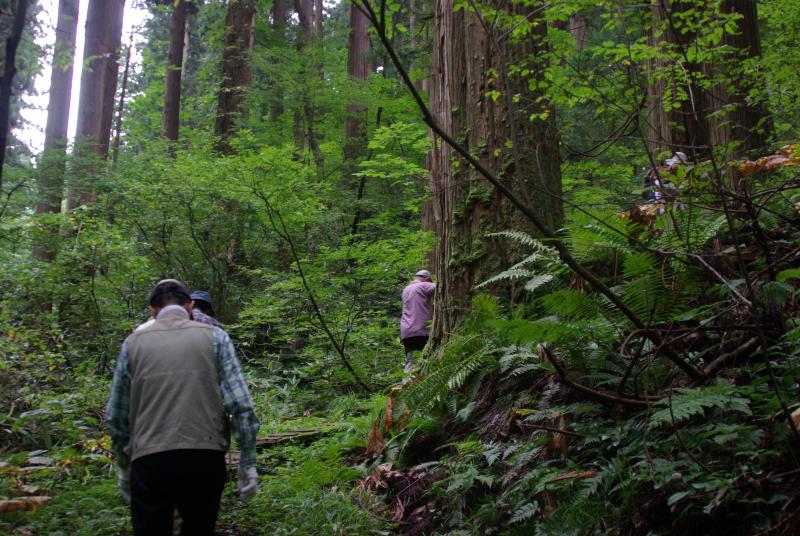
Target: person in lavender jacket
{"x": 417, "y": 312}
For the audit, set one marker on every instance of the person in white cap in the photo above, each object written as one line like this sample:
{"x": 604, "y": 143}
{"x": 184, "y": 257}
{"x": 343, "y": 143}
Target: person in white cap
{"x": 417, "y": 312}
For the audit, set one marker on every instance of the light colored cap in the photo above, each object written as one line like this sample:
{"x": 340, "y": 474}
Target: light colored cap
{"x": 423, "y": 273}
{"x": 677, "y": 158}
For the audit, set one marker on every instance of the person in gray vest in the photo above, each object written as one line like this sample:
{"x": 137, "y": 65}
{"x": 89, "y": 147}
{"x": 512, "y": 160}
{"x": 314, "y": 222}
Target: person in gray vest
{"x": 173, "y": 384}
{"x": 203, "y": 309}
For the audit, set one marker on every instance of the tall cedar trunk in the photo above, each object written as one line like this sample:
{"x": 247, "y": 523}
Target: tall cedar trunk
{"x": 712, "y": 115}
{"x": 279, "y": 14}
{"x": 355, "y": 129}
{"x": 51, "y": 167}
{"x": 6, "y": 83}
{"x": 464, "y": 206}
{"x": 170, "y": 119}
{"x": 231, "y": 113}
{"x": 304, "y": 12}
{"x": 740, "y": 121}
{"x": 98, "y": 86}
{"x": 236, "y": 73}
{"x": 310, "y": 33}
{"x": 683, "y": 127}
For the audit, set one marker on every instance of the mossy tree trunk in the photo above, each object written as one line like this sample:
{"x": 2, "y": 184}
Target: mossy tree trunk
{"x": 508, "y": 125}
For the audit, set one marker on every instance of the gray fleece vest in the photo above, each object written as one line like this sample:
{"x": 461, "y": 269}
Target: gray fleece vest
{"x": 176, "y": 402}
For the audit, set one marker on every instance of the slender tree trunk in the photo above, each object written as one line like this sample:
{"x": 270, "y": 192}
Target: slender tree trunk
{"x": 236, "y": 72}
{"x": 514, "y": 134}
{"x": 170, "y": 119}
{"x": 304, "y": 119}
{"x": 231, "y": 114}
{"x": 121, "y": 105}
{"x": 98, "y": 88}
{"x": 51, "y": 167}
{"x": 279, "y": 14}
{"x": 577, "y": 27}
{"x": 355, "y": 145}
{"x": 190, "y": 20}
{"x": 6, "y": 83}
{"x": 303, "y": 9}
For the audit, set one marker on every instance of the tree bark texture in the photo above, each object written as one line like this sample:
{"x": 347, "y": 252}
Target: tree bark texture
{"x": 711, "y": 107}
{"x": 6, "y": 83}
{"x": 279, "y": 13}
{"x": 98, "y": 87}
{"x": 502, "y": 134}
{"x": 673, "y": 84}
{"x": 355, "y": 131}
{"x": 170, "y": 119}
{"x": 317, "y": 21}
{"x": 741, "y": 122}
{"x": 51, "y": 166}
{"x": 236, "y": 72}
{"x": 577, "y": 27}
{"x": 304, "y": 120}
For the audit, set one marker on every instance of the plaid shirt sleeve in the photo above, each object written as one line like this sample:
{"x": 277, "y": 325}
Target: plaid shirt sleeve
{"x": 236, "y": 398}
{"x": 118, "y": 407}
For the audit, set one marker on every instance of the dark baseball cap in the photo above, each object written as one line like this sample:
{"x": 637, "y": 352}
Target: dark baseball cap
{"x": 168, "y": 286}
{"x": 202, "y": 295}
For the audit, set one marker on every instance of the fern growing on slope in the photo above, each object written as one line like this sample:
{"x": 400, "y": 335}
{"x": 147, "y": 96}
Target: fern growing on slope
{"x": 448, "y": 370}
{"x": 692, "y": 402}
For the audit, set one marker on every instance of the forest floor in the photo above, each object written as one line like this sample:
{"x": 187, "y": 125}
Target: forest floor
{"x": 68, "y": 487}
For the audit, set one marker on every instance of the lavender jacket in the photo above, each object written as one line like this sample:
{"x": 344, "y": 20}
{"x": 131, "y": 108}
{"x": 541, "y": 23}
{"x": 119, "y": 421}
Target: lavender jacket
{"x": 417, "y": 309}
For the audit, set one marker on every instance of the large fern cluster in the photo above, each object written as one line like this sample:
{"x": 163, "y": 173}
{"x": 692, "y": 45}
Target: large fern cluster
{"x": 448, "y": 370}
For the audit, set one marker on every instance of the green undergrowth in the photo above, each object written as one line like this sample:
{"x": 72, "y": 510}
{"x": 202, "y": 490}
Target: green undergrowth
{"x": 482, "y": 424}
{"x": 56, "y": 447}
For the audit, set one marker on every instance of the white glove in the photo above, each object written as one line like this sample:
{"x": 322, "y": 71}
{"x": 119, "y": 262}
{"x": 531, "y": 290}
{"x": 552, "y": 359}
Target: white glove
{"x": 124, "y": 483}
{"x": 248, "y": 483}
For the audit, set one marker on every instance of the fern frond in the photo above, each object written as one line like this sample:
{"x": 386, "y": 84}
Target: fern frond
{"x": 518, "y": 236}
{"x": 692, "y": 402}
{"x": 644, "y": 295}
{"x": 538, "y": 281}
{"x": 536, "y": 331}
{"x": 448, "y": 371}
{"x": 507, "y": 275}
{"x": 601, "y": 237}
{"x": 524, "y": 512}
{"x": 570, "y": 304}
{"x": 641, "y": 263}
{"x": 514, "y": 356}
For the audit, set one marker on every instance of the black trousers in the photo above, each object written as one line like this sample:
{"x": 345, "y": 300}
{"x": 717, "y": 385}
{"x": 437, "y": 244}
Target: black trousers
{"x": 412, "y": 344}
{"x": 189, "y": 480}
